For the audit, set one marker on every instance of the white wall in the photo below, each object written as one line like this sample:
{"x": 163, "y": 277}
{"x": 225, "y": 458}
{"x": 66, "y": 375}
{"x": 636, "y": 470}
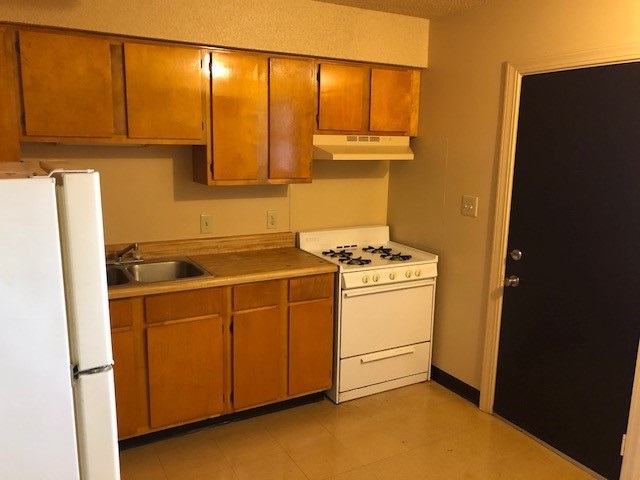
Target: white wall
{"x": 456, "y": 154}
{"x": 291, "y": 26}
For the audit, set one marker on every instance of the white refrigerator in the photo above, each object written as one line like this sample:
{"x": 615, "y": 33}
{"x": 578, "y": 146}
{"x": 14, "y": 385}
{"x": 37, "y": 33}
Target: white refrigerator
{"x": 57, "y": 403}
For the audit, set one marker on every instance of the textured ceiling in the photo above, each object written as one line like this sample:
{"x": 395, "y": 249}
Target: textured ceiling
{"x": 413, "y": 8}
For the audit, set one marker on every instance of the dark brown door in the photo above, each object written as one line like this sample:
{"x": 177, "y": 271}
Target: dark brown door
{"x": 569, "y": 332}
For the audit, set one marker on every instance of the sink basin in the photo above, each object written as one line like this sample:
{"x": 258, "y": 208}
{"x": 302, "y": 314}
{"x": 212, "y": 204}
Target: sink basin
{"x": 165, "y": 271}
{"x": 116, "y": 276}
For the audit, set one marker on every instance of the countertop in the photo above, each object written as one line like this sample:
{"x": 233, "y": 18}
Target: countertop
{"x": 232, "y": 268}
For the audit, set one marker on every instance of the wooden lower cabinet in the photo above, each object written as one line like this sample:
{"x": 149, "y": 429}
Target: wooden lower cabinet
{"x": 256, "y": 357}
{"x": 185, "y": 370}
{"x": 179, "y": 357}
{"x": 129, "y": 368}
{"x": 310, "y": 347}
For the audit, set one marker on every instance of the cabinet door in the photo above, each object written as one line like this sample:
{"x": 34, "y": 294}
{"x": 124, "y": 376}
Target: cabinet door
{"x": 124, "y": 371}
{"x": 185, "y": 370}
{"x": 390, "y": 107}
{"x": 257, "y": 356}
{"x": 164, "y": 89}
{"x": 291, "y": 118}
{"x": 239, "y": 106}
{"x": 129, "y": 368}
{"x": 341, "y": 97}
{"x": 66, "y": 85}
{"x": 9, "y": 98}
{"x": 310, "y": 346}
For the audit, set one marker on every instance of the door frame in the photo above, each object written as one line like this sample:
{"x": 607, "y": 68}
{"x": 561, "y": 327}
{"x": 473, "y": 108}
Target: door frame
{"x": 511, "y": 85}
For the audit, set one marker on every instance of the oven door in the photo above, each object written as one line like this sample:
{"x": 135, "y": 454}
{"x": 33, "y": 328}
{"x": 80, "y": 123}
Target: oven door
{"x": 383, "y": 317}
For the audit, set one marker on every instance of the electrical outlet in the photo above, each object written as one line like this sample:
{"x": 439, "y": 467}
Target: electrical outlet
{"x": 272, "y": 219}
{"x": 469, "y": 206}
{"x": 205, "y": 224}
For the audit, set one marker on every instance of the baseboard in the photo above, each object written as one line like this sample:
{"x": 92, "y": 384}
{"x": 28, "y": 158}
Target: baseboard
{"x": 231, "y": 417}
{"x": 456, "y": 386}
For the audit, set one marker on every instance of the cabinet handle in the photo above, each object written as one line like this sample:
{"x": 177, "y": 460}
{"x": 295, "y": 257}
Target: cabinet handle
{"x": 373, "y": 357}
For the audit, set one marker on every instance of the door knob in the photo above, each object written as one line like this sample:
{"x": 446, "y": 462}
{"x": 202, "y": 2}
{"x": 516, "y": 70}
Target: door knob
{"x": 512, "y": 281}
{"x": 515, "y": 254}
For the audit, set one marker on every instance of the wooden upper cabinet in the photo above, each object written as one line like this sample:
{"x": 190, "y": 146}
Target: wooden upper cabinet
{"x": 390, "y": 100}
{"x": 367, "y": 99}
{"x": 292, "y": 97}
{"x": 66, "y": 85}
{"x": 9, "y": 124}
{"x": 239, "y": 109}
{"x": 164, "y": 92}
{"x": 341, "y": 95}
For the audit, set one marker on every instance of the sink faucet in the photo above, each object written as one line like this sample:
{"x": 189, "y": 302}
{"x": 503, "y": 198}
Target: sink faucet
{"x": 117, "y": 256}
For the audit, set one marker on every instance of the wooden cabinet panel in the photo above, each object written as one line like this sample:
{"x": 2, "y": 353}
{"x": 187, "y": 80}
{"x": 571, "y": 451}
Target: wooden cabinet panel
{"x": 129, "y": 369}
{"x": 187, "y": 304}
{"x": 239, "y": 105}
{"x": 128, "y": 410}
{"x": 66, "y": 85}
{"x": 341, "y": 97}
{"x": 122, "y": 313}
{"x": 257, "y": 355}
{"x": 310, "y": 346}
{"x": 254, "y": 295}
{"x": 185, "y": 370}
{"x": 164, "y": 92}
{"x": 312, "y": 287}
{"x": 9, "y": 124}
{"x": 292, "y": 105}
{"x": 390, "y": 106}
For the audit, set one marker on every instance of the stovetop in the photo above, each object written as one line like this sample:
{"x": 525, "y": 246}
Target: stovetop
{"x": 362, "y": 248}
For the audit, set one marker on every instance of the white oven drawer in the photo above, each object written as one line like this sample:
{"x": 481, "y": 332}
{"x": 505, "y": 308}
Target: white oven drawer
{"x": 379, "y": 318}
{"x": 383, "y": 366}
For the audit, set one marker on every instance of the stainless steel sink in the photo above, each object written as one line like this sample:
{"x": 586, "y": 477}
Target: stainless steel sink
{"x": 164, "y": 271}
{"x": 150, "y": 271}
{"x": 116, "y": 276}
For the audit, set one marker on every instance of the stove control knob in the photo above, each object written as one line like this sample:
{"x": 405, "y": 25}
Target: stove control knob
{"x": 375, "y": 277}
{"x": 418, "y": 273}
{"x": 365, "y": 279}
{"x": 407, "y": 274}
{"x": 392, "y": 276}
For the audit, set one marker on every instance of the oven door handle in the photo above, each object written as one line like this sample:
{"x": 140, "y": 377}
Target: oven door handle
{"x": 396, "y": 352}
{"x": 356, "y": 292}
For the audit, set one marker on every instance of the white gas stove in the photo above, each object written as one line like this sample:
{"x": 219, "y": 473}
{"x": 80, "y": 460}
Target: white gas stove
{"x": 384, "y": 309}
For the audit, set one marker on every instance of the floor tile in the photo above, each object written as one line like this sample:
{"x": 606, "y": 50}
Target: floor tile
{"x": 275, "y": 467}
{"x": 422, "y": 431}
{"x": 324, "y": 458}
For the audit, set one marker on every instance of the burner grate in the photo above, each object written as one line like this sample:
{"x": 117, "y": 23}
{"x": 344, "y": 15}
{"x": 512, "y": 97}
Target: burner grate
{"x": 396, "y": 257}
{"x": 333, "y": 254}
{"x": 374, "y": 250}
{"x": 354, "y": 261}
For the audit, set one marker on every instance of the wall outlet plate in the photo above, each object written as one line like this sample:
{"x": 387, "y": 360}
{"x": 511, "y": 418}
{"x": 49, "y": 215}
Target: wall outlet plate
{"x": 206, "y": 225}
{"x": 469, "y": 206}
{"x": 272, "y": 219}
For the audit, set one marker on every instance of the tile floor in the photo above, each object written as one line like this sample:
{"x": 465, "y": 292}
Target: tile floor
{"x": 423, "y": 431}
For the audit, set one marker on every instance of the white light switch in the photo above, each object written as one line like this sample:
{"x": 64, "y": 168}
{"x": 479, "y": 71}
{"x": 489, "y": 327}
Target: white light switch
{"x": 469, "y": 206}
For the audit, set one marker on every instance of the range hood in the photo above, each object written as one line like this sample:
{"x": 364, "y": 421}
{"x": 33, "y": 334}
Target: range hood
{"x": 361, "y": 147}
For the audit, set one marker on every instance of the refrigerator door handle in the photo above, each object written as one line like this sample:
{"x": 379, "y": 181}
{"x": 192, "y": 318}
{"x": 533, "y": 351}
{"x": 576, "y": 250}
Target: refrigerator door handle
{"x": 90, "y": 371}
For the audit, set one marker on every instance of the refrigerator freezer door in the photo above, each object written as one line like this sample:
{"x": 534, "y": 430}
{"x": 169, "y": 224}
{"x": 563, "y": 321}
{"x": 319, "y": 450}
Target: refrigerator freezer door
{"x": 97, "y": 430}
{"x": 82, "y": 236}
{"x": 37, "y": 438}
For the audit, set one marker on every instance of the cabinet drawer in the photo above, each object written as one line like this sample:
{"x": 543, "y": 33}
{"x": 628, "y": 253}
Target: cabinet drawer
{"x": 378, "y": 367}
{"x": 189, "y": 304}
{"x": 255, "y": 295}
{"x": 122, "y": 312}
{"x": 311, "y": 288}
